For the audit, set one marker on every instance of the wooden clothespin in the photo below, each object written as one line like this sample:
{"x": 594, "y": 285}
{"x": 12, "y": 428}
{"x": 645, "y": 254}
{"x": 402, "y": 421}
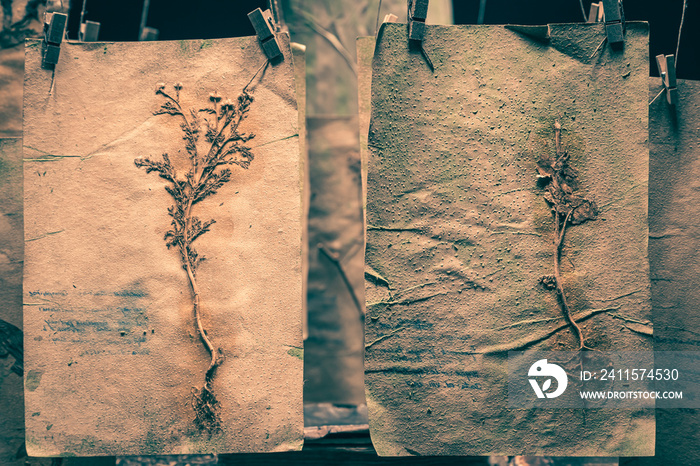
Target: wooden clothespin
{"x": 417, "y": 12}
{"x": 667, "y": 70}
{"x": 263, "y": 24}
{"x": 89, "y": 30}
{"x": 596, "y": 13}
{"x": 149, "y": 34}
{"x": 614, "y": 23}
{"x": 54, "y": 30}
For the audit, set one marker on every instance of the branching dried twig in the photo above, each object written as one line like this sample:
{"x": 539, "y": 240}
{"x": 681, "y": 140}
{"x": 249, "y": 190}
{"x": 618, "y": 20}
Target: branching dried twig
{"x": 559, "y": 181}
{"x": 206, "y": 174}
{"x": 332, "y": 39}
{"x": 540, "y": 335}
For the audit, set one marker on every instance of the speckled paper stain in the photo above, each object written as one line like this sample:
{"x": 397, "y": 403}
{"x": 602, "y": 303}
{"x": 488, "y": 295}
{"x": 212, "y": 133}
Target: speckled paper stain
{"x": 459, "y": 234}
{"x": 112, "y": 350}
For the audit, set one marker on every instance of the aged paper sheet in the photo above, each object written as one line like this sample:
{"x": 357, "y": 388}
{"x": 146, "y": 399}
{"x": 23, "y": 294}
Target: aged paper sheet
{"x": 674, "y": 228}
{"x": 114, "y": 357}
{"x": 460, "y": 237}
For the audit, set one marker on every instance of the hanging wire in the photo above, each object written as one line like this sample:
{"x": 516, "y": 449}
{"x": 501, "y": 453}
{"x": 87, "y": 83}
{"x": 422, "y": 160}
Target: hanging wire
{"x": 277, "y": 15}
{"x": 482, "y": 12}
{"x": 379, "y": 10}
{"x": 82, "y": 12}
{"x": 144, "y": 17}
{"x": 583, "y": 11}
{"x": 680, "y": 29}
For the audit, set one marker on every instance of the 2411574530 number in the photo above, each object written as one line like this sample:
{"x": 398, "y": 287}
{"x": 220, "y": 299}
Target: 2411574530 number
{"x": 638, "y": 374}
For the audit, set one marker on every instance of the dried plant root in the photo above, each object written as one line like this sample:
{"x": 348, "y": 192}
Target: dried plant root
{"x": 204, "y": 402}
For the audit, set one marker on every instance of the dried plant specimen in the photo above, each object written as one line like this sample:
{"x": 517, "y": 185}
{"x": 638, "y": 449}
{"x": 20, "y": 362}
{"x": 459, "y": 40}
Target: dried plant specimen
{"x": 560, "y": 182}
{"x": 452, "y": 199}
{"x": 206, "y": 172}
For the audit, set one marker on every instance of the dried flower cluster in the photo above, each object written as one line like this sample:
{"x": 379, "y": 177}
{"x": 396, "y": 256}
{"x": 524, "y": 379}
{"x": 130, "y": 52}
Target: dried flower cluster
{"x": 559, "y": 180}
{"x": 205, "y": 173}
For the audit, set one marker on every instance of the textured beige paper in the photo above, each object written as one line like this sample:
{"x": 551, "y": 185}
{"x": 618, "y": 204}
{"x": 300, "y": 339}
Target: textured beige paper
{"x": 112, "y": 352}
{"x": 674, "y": 227}
{"x": 458, "y": 234}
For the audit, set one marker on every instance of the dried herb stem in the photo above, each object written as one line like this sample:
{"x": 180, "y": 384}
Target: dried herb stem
{"x": 203, "y": 178}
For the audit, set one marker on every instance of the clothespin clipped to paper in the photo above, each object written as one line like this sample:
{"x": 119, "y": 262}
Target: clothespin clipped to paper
{"x": 596, "y": 13}
{"x": 667, "y": 70}
{"x": 614, "y": 23}
{"x": 263, "y": 24}
{"x": 417, "y": 13}
{"x": 89, "y": 30}
{"x": 54, "y": 30}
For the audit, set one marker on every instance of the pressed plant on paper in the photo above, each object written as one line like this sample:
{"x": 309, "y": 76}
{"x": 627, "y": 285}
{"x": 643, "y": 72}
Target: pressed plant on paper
{"x": 204, "y": 173}
{"x": 560, "y": 183}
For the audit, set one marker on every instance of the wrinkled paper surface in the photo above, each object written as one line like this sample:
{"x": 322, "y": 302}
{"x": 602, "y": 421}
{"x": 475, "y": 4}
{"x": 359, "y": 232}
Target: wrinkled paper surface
{"x": 458, "y": 234}
{"x": 674, "y": 229}
{"x": 112, "y": 351}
